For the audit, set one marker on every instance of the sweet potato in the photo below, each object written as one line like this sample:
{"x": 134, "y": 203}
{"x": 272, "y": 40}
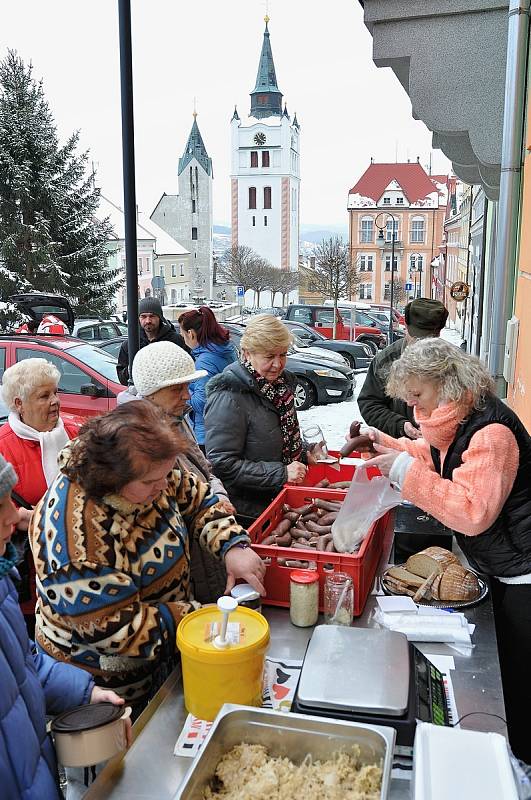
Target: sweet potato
{"x": 282, "y": 528}
{"x": 326, "y": 505}
{"x": 319, "y": 529}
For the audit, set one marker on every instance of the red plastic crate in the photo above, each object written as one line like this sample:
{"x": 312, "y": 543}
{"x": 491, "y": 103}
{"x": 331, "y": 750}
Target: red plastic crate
{"x": 361, "y": 566}
{"x": 316, "y": 472}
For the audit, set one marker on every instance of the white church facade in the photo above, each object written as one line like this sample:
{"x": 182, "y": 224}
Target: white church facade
{"x": 265, "y": 172}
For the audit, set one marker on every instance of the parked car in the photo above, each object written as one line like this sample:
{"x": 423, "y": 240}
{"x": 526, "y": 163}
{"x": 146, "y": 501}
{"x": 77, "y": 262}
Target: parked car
{"x": 319, "y": 380}
{"x": 36, "y": 305}
{"x": 357, "y": 354}
{"x": 98, "y": 330}
{"x": 352, "y": 324}
{"x": 397, "y": 313}
{"x": 276, "y": 311}
{"x": 89, "y": 383}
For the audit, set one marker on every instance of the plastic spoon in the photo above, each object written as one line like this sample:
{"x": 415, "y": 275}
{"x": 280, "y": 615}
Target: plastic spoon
{"x": 226, "y": 605}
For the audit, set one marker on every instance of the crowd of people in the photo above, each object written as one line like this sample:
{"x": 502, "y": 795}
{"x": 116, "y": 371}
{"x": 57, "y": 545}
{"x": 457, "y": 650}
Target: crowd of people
{"x": 114, "y": 528}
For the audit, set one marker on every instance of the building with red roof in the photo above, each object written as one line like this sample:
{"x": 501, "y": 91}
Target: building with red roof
{"x": 417, "y": 202}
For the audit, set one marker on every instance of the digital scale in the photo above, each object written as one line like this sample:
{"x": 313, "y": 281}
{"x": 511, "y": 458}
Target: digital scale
{"x": 370, "y": 675}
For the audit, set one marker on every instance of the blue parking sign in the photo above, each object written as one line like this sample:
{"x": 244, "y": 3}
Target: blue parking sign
{"x": 409, "y": 287}
{"x": 241, "y": 291}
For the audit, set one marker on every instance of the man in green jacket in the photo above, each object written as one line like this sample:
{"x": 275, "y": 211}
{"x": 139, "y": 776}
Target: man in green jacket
{"x": 424, "y": 318}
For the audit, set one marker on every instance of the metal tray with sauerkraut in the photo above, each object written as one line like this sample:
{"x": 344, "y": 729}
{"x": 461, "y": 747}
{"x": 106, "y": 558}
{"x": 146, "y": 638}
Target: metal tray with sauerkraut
{"x": 264, "y": 755}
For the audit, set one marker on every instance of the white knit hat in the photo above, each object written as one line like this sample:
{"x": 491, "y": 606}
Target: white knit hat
{"x": 163, "y": 364}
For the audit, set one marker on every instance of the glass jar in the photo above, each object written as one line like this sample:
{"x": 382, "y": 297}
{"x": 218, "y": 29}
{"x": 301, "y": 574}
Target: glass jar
{"x": 303, "y": 597}
{"x": 338, "y": 599}
{"x": 251, "y": 598}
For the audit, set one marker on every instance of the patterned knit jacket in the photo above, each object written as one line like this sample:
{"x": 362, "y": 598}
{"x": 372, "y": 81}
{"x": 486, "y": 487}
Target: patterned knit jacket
{"x": 113, "y": 577}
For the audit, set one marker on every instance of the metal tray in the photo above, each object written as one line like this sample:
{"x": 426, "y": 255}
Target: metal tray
{"x": 483, "y": 587}
{"x": 290, "y": 735}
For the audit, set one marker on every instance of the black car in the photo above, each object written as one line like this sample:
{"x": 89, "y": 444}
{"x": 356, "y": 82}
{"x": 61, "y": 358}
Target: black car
{"x": 358, "y": 354}
{"x": 319, "y": 379}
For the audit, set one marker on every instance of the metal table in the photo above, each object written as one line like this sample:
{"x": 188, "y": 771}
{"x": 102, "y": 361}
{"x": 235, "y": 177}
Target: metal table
{"x": 150, "y": 771}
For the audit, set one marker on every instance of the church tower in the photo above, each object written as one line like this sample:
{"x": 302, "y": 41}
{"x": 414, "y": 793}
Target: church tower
{"x": 187, "y": 216}
{"x": 265, "y": 173}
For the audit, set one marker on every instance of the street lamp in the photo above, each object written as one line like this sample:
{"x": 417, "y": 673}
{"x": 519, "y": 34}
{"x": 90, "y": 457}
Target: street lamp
{"x": 382, "y": 225}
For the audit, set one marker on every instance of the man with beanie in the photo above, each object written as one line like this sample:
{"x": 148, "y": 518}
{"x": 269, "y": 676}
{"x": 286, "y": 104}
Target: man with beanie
{"x": 424, "y": 318}
{"x": 153, "y": 328}
{"x": 33, "y": 684}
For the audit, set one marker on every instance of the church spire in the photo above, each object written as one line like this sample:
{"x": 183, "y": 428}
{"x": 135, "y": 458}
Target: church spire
{"x": 195, "y": 148}
{"x": 266, "y": 97}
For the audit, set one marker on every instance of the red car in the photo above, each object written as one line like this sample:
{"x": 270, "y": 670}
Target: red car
{"x": 89, "y": 383}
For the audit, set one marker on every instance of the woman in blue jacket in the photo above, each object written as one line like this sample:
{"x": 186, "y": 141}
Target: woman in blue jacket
{"x": 31, "y": 684}
{"x": 212, "y": 351}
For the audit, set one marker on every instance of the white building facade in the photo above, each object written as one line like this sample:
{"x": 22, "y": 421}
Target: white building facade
{"x": 265, "y": 172}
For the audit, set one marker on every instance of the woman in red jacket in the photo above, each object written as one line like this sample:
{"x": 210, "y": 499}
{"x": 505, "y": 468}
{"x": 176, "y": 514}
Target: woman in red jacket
{"x": 31, "y": 440}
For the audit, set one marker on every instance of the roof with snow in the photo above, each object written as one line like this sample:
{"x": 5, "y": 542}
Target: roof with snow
{"x": 266, "y": 97}
{"x": 146, "y": 229}
{"x": 412, "y": 178}
{"x": 195, "y": 148}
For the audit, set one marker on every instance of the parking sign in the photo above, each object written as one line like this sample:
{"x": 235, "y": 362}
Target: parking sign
{"x": 409, "y": 287}
{"x": 241, "y": 291}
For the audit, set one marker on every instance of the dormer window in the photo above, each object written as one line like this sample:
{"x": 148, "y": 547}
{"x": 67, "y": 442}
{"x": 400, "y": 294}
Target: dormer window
{"x": 387, "y": 201}
{"x": 400, "y": 201}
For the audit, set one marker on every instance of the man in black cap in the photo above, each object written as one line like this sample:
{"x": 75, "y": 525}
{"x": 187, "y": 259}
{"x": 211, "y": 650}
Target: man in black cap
{"x": 153, "y": 328}
{"x": 424, "y": 318}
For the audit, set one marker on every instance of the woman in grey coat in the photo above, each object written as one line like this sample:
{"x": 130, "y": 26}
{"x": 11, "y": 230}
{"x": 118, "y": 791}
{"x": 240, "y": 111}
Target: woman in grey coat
{"x": 253, "y": 439}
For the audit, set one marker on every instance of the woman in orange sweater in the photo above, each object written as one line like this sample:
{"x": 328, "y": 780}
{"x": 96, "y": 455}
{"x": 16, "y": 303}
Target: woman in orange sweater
{"x": 471, "y": 470}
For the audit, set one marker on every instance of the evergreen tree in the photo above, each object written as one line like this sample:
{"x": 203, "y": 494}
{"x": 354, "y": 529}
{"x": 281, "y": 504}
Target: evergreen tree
{"x": 50, "y": 238}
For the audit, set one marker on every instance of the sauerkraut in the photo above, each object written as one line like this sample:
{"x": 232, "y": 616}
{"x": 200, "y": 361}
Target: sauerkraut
{"x": 247, "y": 772}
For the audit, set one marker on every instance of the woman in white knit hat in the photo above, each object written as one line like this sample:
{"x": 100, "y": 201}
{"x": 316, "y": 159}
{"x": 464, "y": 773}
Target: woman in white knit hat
{"x": 162, "y": 373}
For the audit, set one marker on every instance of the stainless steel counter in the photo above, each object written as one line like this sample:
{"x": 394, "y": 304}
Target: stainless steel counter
{"x": 150, "y": 770}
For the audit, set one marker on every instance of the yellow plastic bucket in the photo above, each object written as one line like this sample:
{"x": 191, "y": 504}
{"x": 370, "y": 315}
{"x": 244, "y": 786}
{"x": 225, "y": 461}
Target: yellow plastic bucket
{"x": 234, "y": 674}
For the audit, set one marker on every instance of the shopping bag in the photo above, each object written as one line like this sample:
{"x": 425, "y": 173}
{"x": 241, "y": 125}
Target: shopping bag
{"x": 366, "y": 501}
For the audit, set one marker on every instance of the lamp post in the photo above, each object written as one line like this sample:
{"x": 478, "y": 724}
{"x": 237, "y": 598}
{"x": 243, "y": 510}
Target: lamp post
{"x": 381, "y": 227}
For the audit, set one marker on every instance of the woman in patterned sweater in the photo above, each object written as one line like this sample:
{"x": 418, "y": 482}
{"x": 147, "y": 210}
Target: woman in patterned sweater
{"x": 110, "y": 540}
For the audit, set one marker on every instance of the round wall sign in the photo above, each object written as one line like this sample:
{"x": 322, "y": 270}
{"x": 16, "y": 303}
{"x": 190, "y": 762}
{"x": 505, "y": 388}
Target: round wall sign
{"x": 459, "y": 291}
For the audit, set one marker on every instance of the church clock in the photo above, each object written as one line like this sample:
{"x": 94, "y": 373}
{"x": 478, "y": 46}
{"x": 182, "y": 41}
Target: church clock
{"x": 260, "y": 138}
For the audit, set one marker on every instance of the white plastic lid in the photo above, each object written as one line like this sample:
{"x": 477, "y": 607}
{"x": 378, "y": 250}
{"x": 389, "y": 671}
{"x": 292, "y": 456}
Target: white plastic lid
{"x": 244, "y": 591}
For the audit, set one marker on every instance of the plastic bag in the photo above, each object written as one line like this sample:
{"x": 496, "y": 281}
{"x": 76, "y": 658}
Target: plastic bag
{"x": 367, "y": 500}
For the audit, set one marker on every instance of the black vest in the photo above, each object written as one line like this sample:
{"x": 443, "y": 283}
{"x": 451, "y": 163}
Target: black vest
{"x": 504, "y": 549}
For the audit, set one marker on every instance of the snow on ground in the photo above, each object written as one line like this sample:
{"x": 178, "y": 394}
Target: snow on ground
{"x": 335, "y": 418}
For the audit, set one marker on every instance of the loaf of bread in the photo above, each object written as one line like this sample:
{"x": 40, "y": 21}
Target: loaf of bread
{"x": 409, "y": 578}
{"x": 458, "y": 583}
{"x": 432, "y": 559}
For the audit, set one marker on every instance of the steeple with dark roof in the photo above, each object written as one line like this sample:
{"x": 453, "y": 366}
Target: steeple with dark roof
{"x": 195, "y": 148}
{"x": 266, "y": 97}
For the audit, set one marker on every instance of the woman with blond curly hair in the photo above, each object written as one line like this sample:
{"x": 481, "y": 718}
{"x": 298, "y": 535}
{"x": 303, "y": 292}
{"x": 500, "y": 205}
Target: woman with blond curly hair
{"x": 253, "y": 439}
{"x": 471, "y": 470}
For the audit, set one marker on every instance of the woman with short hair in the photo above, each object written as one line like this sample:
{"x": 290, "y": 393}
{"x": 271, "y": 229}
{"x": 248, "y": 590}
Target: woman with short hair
{"x": 111, "y": 545}
{"x": 212, "y": 351}
{"x": 31, "y": 441}
{"x": 471, "y": 470}
{"x": 253, "y": 438}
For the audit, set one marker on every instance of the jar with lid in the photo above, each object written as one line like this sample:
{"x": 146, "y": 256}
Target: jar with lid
{"x": 247, "y": 597}
{"x": 338, "y": 599}
{"x": 303, "y": 597}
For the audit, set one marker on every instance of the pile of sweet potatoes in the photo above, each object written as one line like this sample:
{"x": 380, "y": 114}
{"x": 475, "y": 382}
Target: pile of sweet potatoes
{"x": 308, "y": 527}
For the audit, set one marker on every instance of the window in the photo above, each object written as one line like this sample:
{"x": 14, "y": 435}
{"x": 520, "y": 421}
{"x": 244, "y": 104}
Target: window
{"x": 174, "y": 295}
{"x": 72, "y": 378}
{"x": 193, "y": 205}
{"x": 107, "y": 331}
{"x": 267, "y": 196}
{"x": 366, "y": 263}
{"x": 88, "y": 333}
{"x": 388, "y": 264}
{"x": 252, "y": 196}
{"x": 387, "y": 201}
{"x": 416, "y": 263}
{"x": 389, "y": 230}
{"x": 148, "y": 265}
{"x": 265, "y": 222}
{"x": 139, "y": 262}
{"x": 417, "y": 230}
{"x": 254, "y": 158}
{"x": 387, "y": 291}
{"x": 366, "y": 291}
{"x": 181, "y": 268}
{"x": 254, "y": 221}
{"x": 325, "y": 317}
{"x": 400, "y": 201}
{"x": 303, "y": 315}
{"x": 162, "y": 270}
{"x": 265, "y": 158}
{"x": 174, "y": 270}
{"x": 367, "y": 230}
{"x": 194, "y": 233}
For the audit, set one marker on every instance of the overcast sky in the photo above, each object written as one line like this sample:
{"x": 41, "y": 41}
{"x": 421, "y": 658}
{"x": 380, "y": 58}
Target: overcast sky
{"x": 347, "y": 108}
